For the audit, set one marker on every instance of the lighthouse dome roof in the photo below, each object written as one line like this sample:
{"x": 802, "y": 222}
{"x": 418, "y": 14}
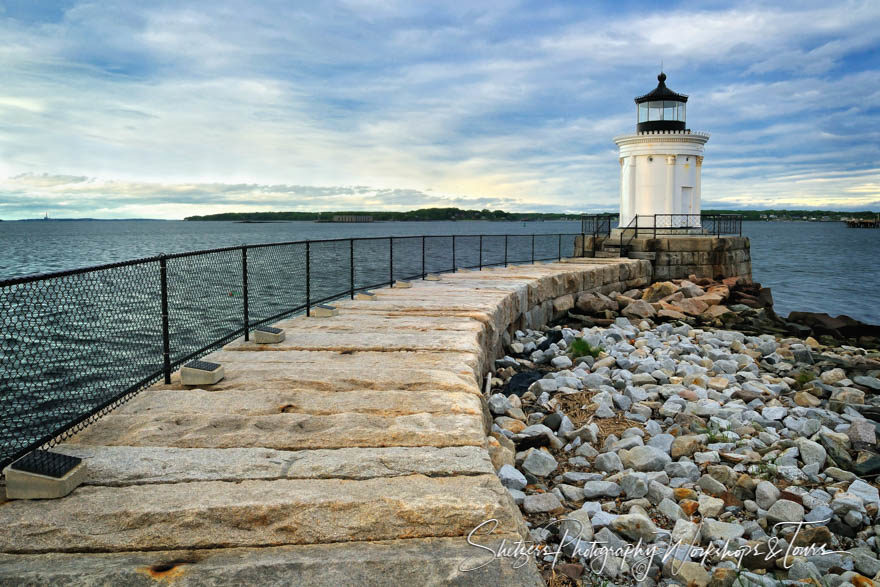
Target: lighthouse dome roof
{"x": 661, "y": 92}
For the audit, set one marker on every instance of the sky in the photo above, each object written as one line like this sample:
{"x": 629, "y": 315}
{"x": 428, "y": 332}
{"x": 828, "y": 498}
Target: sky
{"x": 118, "y": 109}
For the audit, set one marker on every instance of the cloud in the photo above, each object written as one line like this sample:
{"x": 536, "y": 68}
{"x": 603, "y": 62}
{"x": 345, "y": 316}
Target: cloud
{"x": 165, "y": 105}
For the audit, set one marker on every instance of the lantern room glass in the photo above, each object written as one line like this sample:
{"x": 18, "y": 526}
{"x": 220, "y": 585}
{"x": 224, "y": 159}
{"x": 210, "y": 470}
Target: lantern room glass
{"x": 661, "y": 110}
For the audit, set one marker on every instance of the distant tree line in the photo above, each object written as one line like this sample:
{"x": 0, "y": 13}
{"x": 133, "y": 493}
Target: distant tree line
{"x": 459, "y": 214}
{"x": 794, "y": 214}
{"x": 420, "y": 214}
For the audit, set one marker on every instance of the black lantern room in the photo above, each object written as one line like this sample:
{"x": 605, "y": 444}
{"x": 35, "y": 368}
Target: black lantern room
{"x": 661, "y": 109}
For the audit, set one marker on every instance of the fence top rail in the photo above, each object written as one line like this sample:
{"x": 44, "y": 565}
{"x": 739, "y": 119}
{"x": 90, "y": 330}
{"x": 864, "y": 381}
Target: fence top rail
{"x": 115, "y": 265}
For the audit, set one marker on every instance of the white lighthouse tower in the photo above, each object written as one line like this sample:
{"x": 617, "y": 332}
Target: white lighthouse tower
{"x": 660, "y": 164}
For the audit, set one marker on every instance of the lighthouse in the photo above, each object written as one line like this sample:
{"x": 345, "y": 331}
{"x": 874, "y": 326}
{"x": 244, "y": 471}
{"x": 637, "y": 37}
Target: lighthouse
{"x": 660, "y": 164}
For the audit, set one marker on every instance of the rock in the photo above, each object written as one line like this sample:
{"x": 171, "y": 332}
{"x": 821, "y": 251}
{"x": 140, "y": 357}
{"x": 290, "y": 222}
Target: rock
{"x": 715, "y": 530}
{"x": 723, "y": 577}
{"x": 867, "y": 493}
{"x": 774, "y": 413}
{"x": 710, "y": 506}
{"x": 865, "y": 561}
{"x": 862, "y": 434}
{"x": 684, "y": 469}
{"x": 686, "y": 573}
{"x": 766, "y": 494}
{"x": 802, "y": 569}
{"x": 833, "y": 376}
{"x": 510, "y": 424}
{"x": 577, "y": 524}
{"x": 657, "y": 291}
{"x": 577, "y": 477}
{"x": 595, "y": 303}
{"x": 517, "y": 495}
{"x": 608, "y": 462}
{"x": 602, "y": 519}
{"x": 539, "y": 463}
{"x": 711, "y": 485}
{"x": 718, "y": 383}
{"x": 643, "y": 379}
{"x": 691, "y": 306}
{"x": 872, "y": 383}
{"x": 593, "y": 489}
{"x": 561, "y": 362}
{"x": 639, "y": 309}
{"x": 848, "y": 395}
{"x": 657, "y": 492}
{"x": 645, "y": 458}
{"x": 634, "y": 486}
{"x": 587, "y": 451}
{"x": 671, "y": 510}
{"x": 685, "y": 446}
{"x": 499, "y": 404}
{"x": 670, "y": 314}
{"x": 511, "y": 478}
{"x": 662, "y": 442}
{"x": 540, "y": 503}
{"x": 501, "y": 452}
{"x": 807, "y": 400}
{"x": 785, "y": 511}
{"x": 811, "y": 452}
{"x": 686, "y": 531}
{"x": 570, "y": 492}
{"x": 635, "y": 527}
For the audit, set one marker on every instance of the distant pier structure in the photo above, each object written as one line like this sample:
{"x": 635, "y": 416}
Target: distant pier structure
{"x": 862, "y": 222}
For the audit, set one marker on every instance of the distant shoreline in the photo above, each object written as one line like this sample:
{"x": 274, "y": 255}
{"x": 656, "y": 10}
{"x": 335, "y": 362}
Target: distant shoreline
{"x": 455, "y": 214}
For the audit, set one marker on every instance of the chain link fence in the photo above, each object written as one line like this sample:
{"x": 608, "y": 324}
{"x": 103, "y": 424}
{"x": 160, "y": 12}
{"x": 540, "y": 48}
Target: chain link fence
{"x": 76, "y": 344}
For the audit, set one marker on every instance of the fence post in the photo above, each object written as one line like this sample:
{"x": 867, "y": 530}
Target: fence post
{"x": 390, "y": 260}
{"x": 559, "y": 249}
{"x": 505, "y": 250}
{"x": 166, "y": 342}
{"x": 453, "y": 253}
{"x": 244, "y": 292}
{"x": 481, "y": 252}
{"x": 533, "y": 249}
{"x": 308, "y": 280}
{"x": 423, "y": 257}
{"x": 351, "y": 264}
{"x": 655, "y": 227}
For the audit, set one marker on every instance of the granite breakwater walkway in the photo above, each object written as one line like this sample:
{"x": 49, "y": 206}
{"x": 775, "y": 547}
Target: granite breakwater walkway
{"x": 354, "y": 452}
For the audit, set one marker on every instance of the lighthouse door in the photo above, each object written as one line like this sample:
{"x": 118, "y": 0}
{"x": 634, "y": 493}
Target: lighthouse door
{"x": 687, "y": 200}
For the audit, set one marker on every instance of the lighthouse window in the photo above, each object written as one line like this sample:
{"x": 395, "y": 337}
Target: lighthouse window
{"x": 669, "y": 110}
{"x": 655, "y": 110}
{"x": 643, "y": 112}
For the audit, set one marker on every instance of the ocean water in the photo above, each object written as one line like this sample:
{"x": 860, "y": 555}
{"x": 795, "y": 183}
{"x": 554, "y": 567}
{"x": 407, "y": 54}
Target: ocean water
{"x": 810, "y": 266}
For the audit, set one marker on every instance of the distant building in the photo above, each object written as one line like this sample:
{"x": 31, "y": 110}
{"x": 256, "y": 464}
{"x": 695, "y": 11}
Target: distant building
{"x": 351, "y": 218}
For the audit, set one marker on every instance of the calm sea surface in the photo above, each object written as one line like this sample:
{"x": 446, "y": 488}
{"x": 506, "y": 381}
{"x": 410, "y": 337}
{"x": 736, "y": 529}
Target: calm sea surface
{"x": 822, "y": 267}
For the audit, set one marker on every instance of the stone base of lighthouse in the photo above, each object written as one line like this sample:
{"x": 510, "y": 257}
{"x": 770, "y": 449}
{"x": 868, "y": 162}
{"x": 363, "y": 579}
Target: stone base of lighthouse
{"x": 679, "y": 256}
{"x": 660, "y": 178}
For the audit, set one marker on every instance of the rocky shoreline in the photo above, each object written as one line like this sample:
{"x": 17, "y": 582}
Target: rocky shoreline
{"x": 686, "y": 417}
{"x": 732, "y": 303}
